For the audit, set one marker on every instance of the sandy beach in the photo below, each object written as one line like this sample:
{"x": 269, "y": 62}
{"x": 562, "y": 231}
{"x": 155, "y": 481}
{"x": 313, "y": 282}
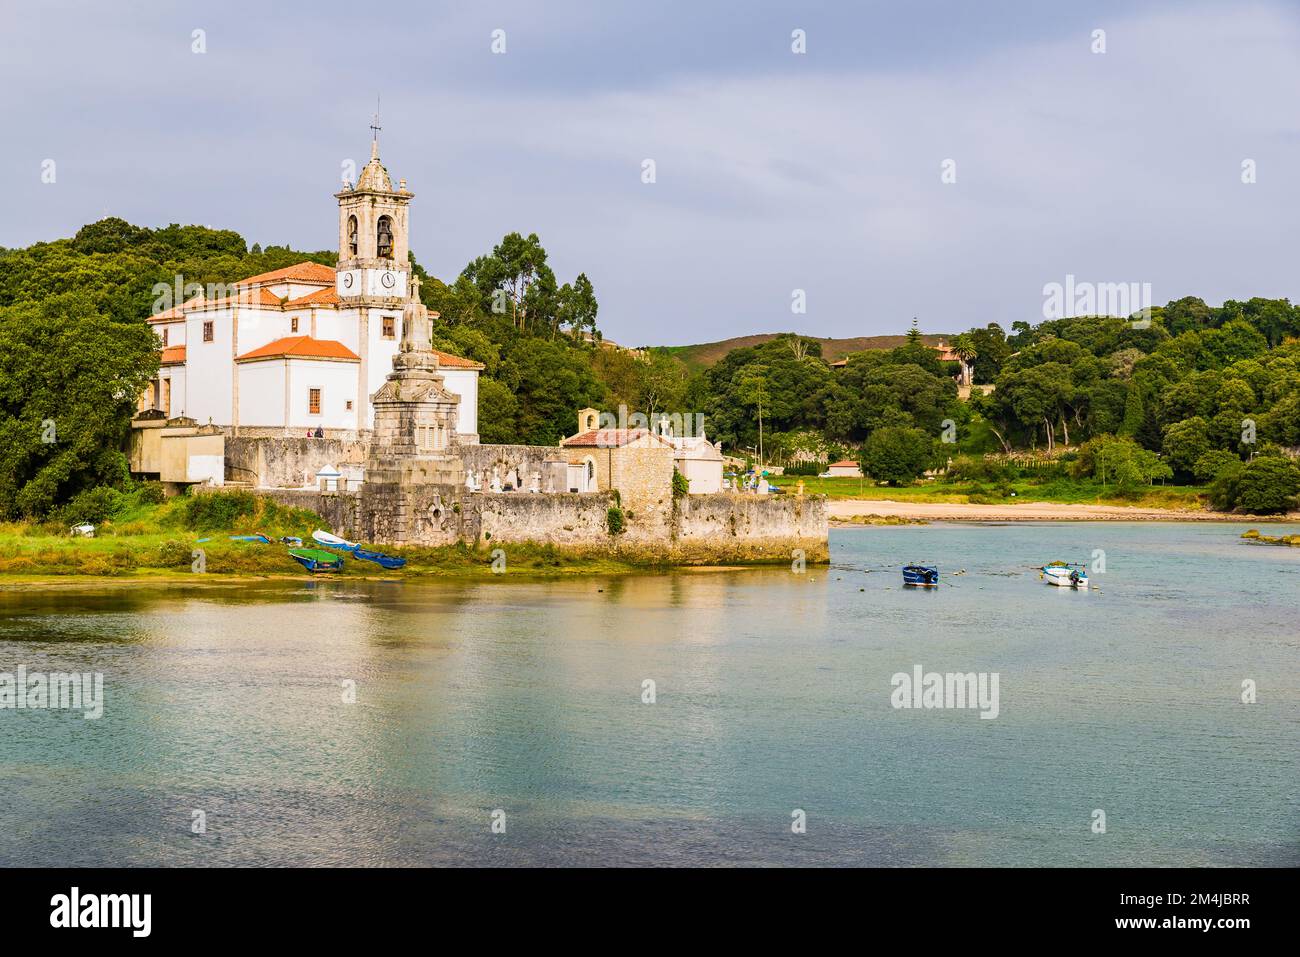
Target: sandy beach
{"x": 846, "y": 509}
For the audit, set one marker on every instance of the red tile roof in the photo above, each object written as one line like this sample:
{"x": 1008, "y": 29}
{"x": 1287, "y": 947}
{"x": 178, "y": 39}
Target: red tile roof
{"x": 301, "y": 346}
{"x": 843, "y": 463}
{"x": 448, "y": 361}
{"x": 261, "y": 298}
{"x": 611, "y": 438}
{"x": 321, "y": 297}
{"x": 173, "y": 355}
{"x": 300, "y": 272}
{"x": 176, "y": 313}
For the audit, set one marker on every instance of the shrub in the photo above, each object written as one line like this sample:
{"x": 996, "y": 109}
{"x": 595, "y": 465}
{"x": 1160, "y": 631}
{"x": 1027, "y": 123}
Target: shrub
{"x": 94, "y": 505}
{"x": 681, "y": 485}
{"x": 149, "y": 493}
{"x": 1209, "y": 465}
{"x": 172, "y": 553}
{"x": 217, "y": 511}
{"x": 805, "y": 468}
{"x": 614, "y": 520}
{"x": 976, "y": 468}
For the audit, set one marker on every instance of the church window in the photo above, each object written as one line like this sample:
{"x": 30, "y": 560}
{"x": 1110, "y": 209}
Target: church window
{"x": 384, "y": 238}
{"x": 390, "y": 327}
{"x": 293, "y": 324}
{"x": 313, "y": 401}
{"x": 349, "y": 405}
{"x": 352, "y": 235}
{"x": 164, "y": 335}
{"x": 207, "y": 331}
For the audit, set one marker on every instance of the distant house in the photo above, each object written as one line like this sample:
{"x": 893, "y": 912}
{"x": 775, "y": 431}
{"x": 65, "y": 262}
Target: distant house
{"x": 846, "y": 468}
{"x": 964, "y": 369}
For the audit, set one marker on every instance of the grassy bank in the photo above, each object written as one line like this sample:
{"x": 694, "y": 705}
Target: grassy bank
{"x": 172, "y": 539}
{"x": 1063, "y": 491}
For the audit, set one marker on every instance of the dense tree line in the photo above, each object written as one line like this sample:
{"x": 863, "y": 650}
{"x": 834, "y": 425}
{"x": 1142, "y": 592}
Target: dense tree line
{"x": 76, "y": 351}
{"x": 1192, "y": 393}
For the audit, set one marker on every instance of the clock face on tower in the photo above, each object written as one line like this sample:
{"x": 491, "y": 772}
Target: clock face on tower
{"x": 349, "y": 282}
{"x": 389, "y": 283}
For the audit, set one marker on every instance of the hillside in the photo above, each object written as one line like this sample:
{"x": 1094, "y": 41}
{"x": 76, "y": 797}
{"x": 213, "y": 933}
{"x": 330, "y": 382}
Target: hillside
{"x": 705, "y": 354}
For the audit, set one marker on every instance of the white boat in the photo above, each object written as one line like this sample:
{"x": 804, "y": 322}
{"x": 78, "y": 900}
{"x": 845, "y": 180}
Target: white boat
{"x": 1065, "y": 575}
{"x": 333, "y": 541}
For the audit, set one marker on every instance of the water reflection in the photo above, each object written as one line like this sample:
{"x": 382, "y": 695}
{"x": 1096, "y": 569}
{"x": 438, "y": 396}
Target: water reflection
{"x": 772, "y": 693}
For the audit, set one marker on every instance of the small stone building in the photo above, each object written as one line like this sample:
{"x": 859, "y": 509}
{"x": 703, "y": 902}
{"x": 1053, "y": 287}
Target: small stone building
{"x": 636, "y": 462}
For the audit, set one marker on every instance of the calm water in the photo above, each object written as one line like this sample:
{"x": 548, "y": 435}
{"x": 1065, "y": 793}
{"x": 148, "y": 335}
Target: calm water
{"x": 773, "y": 693}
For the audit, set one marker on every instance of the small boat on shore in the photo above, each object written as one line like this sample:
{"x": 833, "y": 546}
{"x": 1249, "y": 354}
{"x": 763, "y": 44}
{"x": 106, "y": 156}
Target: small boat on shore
{"x": 316, "y": 559}
{"x": 333, "y": 541}
{"x": 260, "y": 539}
{"x": 386, "y": 561}
{"x": 923, "y": 576}
{"x": 1065, "y": 574}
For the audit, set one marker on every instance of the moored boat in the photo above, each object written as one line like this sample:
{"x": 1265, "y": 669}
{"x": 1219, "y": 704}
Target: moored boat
{"x": 333, "y": 541}
{"x": 316, "y": 559}
{"x": 924, "y": 576}
{"x": 1065, "y": 574}
{"x": 387, "y": 561}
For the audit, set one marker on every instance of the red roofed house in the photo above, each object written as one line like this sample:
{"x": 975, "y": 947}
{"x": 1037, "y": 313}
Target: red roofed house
{"x": 305, "y": 347}
{"x": 845, "y": 468}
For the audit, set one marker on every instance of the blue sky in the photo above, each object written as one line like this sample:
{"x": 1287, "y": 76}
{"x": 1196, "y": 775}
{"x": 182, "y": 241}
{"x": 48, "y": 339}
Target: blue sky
{"x": 775, "y": 171}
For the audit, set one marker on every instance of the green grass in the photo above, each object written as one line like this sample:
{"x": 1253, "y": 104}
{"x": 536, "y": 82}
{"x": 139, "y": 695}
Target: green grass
{"x": 1063, "y": 491}
{"x": 160, "y": 541}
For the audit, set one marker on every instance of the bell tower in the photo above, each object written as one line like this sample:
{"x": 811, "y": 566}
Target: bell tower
{"x": 373, "y": 231}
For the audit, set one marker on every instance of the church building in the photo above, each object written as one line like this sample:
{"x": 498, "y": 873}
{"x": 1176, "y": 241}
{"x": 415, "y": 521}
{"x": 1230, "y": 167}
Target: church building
{"x": 304, "y": 348}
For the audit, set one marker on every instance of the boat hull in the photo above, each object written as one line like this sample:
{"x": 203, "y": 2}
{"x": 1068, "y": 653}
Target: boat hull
{"x": 385, "y": 561}
{"x": 315, "y": 560}
{"x": 920, "y": 576}
{"x": 1062, "y": 579}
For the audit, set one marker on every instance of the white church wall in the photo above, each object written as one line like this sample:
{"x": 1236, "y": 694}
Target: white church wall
{"x": 208, "y": 367}
{"x": 175, "y": 332}
{"x": 338, "y": 384}
{"x": 176, "y": 374}
{"x": 257, "y": 327}
{"x": 329, "y": 324}
{"x": 261, "y": 393}
{"x": 464, "y": 382}
{"x": 381, "y": 352}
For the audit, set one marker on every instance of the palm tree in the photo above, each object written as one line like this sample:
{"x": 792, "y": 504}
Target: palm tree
{"x": 964, "y": 349}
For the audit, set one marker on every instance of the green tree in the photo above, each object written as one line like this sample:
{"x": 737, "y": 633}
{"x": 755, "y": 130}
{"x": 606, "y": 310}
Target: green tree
{"x": 1185, "y": 442}
{"x": 69, "y": 379}
{"x": 897, "y": 454}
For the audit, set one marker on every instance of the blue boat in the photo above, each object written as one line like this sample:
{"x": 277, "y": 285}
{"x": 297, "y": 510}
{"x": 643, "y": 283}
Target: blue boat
{"x": 333, "y": 541}
{"x": 387, "y": 561}
{"x": 260, "y": 539}
{"x": 924, "y": 576}
{"x": 316, "y": 559}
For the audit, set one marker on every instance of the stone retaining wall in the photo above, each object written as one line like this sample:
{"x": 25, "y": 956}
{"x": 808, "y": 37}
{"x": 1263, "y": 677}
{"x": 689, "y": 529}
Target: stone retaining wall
{"x": 726, "y": 528}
